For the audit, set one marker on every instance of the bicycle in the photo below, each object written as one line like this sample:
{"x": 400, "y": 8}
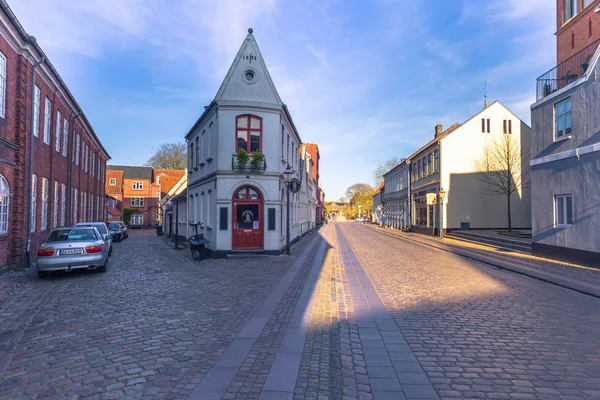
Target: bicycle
{"x": 197, "y": 243}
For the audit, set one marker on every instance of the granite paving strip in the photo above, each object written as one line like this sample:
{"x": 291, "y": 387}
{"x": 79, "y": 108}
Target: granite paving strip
{"x": 392, "y": 368}
{"x": 216, "y": 381}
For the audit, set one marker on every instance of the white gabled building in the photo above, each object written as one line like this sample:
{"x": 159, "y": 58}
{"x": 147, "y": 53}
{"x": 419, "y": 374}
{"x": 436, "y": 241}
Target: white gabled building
{"x": 242, "y": 206}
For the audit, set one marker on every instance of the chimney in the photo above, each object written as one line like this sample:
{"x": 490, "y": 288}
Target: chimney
{"x": 438, "y": 130}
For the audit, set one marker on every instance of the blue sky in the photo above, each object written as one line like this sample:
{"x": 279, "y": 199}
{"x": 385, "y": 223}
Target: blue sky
{"x": 366, "y": 80}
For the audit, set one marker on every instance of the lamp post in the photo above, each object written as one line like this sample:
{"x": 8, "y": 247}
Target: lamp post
{"x": 287, "y": 177}
{"x": 441, "y": 194}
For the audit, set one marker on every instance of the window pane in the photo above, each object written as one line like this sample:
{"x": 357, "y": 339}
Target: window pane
{"x": 560, "y": 108}
{"x": 242, "y": 122}
{"x": 242, "y": 139}
{"x": 254, "y": 123}
{"x": 560, "y": 211}
{"x": 252, "y": 194}
{"x": 569, "y": 201}
{"x": 241, "y": 194}
{"x": 568, "y": 105}
{"x": 560, "y": 126}
{"x": 254, "y": 141}
{"x": 568, "y": 123}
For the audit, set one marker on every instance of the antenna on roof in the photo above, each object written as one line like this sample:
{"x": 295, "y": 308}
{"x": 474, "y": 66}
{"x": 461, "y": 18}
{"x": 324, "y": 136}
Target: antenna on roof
{"x": 485, "y": 95}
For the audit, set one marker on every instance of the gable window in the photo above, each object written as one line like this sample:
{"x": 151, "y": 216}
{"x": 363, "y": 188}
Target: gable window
{"x": 570, "y": 9}
{"x": 485, "y": 125}
{"x": 4, "y": 202}
{"x": 562, "y": 115}
{"x": 248, "y": 132}
{"x": 2, "y": 86}
{"x": 112, "y": 181}
{"x": 563, "y": 210}
{"x": 36, "y": 112}
{"x": 137, "y": 202}
{"x": 47, "y": 116}
{"x": 507, "y": 126}
{"x": 137, "y": 185}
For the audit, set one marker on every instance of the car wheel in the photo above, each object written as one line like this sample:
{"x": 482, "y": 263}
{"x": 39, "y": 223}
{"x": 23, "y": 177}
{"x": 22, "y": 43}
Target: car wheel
{"x": 43, "y": 274}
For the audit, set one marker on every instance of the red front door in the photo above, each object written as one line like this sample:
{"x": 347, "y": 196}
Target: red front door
{"x": 247, "y": 220}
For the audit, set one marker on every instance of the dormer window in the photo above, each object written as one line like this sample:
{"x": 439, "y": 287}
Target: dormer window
{"x": 112, "y": 181}
{"x": 138, "y": 185}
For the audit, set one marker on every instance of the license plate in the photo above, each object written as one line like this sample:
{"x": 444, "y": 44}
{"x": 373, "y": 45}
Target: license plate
{"x": 65, "y": 252}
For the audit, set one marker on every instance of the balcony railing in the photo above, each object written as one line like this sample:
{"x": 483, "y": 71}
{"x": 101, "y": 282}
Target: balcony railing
{"x": 565, "y": 73}
{"x": 248, "y": 165}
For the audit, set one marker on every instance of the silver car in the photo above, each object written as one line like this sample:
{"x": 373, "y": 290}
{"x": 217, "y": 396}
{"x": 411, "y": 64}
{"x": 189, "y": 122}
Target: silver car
{"x": 103, "y": 229}
{"x": 72, "y": 248}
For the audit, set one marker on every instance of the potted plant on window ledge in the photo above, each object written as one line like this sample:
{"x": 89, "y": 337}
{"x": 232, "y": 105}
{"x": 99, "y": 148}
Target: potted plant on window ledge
{"x": 257, "y": 158}
{"x": 242, "y": 157}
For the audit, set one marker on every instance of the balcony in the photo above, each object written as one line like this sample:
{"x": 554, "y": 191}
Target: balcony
{"x": 249, "y": 165}
{"x": 565, "y": 73}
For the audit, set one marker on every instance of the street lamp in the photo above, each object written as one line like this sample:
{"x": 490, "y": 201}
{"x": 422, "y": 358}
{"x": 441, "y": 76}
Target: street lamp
{"x": 441, "y": 194}
{"x": 287, "y": 178}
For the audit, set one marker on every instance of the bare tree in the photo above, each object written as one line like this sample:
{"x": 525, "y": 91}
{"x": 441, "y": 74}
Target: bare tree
{"x": 169, "y": 156}
{"x": 384, "y": 167}
{"x": 503, "y": 170}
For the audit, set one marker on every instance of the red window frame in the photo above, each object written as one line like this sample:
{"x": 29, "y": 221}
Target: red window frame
{"x": 248, "y": 130}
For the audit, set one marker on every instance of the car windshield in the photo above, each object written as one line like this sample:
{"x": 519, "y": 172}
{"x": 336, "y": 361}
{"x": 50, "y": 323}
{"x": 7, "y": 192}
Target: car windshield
{"x": 114, "y": 226}
{"x": 101, "y": 227}
{"x": 67, "y": 235}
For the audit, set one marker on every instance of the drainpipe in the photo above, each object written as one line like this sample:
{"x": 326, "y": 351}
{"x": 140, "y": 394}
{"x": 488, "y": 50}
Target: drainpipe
{"x": 73, "y": 119}
{"x": 31, "y": 135}
{"x": 441, "y": 203}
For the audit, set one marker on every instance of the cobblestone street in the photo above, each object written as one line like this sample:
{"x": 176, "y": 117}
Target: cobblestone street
{"x": 353, "y": 313}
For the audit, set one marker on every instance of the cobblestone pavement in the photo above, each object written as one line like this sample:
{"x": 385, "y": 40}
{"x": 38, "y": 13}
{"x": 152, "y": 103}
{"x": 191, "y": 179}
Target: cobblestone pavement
{"x": 151, "y": 326}
{"x": 484, "y": 333}
{"x": 355, "y": 315}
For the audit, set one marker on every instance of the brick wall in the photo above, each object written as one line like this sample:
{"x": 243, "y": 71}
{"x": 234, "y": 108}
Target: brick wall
{"x": 574, "y": 35}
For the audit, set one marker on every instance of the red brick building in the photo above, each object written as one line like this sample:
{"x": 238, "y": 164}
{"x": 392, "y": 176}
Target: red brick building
{"x": 577, "y": 27}
{"x": 139, "y": 188}
{"x": 68, "y": 163}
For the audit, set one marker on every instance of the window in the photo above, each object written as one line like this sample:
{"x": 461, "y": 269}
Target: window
{"x": 249, "y": 132}
{"x": 507, "y": 126}
{"x": 572, "y": 40}
{"x": 570, "y": 9}
{"x": 563, "y": 210}
{"x": 562, "y": 112}
{"x": 63, "y": 202}
{"x": 420, "y": 173}
{"x": 33, "y": 201}
{"x": 157, "y": 216}
{"x": 436, "y": 156}
{"x": 55, "y": 206}
{"x": 47, "y": 116}
{"x": 137, "y": 219}
{"x": 137, "y": 202}
{"x": 65, "y": 136}
{"x": 4, "y": 202}
{"x": 77, "y": 146}
{"x": 208, "y": 209}
{"x": 223, "y": 218}
{"x": 138, "y": 185}
{"x": 191, "y": 157}
{"x": 83, "y": 206}
{"x": 590, "y": 27}
{"x": 287, "y": 150}
{"x": 197, "y": 152}
{"x": 36, "y": 112}
{"x": 87, "y": 157}
{"x": 282, "y": 140}
{"x": 44, "y": 224}
{"x": 75, "y": 206}
{"x": 427, "y": 161}
{"x": 112, "y": 181}
{"x": 93, "y": 166}
{"x": 57, "y": 133}
{"x": 2, "y": 88}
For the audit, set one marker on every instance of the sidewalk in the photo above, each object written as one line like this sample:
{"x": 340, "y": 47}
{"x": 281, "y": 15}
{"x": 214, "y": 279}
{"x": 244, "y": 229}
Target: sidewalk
{"x": 579, "y": 278}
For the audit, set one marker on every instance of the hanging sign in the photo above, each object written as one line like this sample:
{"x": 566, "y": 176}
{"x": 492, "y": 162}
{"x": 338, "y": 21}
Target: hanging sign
{"x": 431, "y": 198}
{"x": 294, "y": 185}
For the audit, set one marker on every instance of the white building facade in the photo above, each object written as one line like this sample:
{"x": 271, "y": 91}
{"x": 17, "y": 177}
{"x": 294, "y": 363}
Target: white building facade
{"x": 242, "y": 204}
{"x": 396, "y": 197}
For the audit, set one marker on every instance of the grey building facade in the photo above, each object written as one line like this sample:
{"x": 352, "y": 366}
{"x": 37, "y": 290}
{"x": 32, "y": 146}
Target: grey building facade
{"x": 397, "y": 196}
{"x": 565, "y": 169}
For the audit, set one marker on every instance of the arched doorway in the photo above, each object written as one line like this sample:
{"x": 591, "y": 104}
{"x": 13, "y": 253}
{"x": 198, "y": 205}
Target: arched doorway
{"x": 247, "y": 232}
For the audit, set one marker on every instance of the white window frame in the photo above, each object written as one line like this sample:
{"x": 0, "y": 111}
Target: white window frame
{"x": 564, "y": 212}
{"x": 57, "y": 133}
{"x": 33, "y": 202}
{"x": 75, "y": 204}
{"x": 93, "y": 167}
{"x": 137, "y": 219}
{"x": 112, "y": 181}
{"x": 55, "y": 206}
{"x": 573, "y": 9}
{"x": 47, "y": 117}
{"x": 566, "y": 116}
{"x": 137, "y": 185}
{"x": 137, "y": 202}
{"x": 77, "y": 147}
{"x": 4, "y": 204}
{"x": 44, "y": 219}
{"x": 2, "y": 85}
{"x": 36, "y": 111}
{"x": 63, "y": 203}
{"x": 65, "y": 136}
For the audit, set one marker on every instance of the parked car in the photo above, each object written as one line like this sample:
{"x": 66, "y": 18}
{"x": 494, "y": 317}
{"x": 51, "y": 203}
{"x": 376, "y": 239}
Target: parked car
{"x": 116, "y": 231}
{"x": 125, "y": 229}
{"x": 103, "y": 229}
{"x": 66, "y": 249}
